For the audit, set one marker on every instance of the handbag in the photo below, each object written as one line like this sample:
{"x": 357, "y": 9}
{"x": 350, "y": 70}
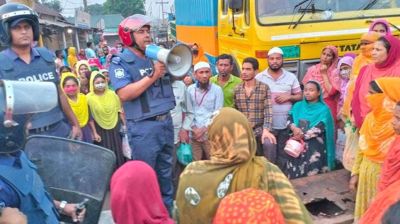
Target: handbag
{"x": 184, "y": 153}
{"x": 294, "y": 147}
{"x": 126, "y": 148}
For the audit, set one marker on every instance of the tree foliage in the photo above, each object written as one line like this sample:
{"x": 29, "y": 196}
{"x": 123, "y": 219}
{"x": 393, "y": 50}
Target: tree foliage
{"x": 124, "y": 7}
{"x": 53, "y": 4}
{"x": 95, "y": 9}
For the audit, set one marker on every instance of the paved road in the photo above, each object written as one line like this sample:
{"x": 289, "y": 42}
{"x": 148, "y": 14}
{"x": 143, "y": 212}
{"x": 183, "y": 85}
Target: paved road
{"x": 106, "y": 217}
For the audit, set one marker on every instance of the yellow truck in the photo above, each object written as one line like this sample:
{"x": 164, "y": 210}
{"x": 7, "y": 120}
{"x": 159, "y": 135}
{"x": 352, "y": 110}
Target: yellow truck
{"x": 302, "y": 28}
{"x": 249, "y": 28}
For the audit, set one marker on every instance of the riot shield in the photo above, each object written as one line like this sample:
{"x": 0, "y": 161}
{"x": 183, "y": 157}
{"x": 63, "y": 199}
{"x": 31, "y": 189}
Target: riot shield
{"x": 73, "y": 171}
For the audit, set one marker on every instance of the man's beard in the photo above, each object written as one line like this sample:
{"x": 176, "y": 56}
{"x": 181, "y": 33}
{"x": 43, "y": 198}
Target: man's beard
{"x": 224, "y": 74}
{"x": 204, "y": 85}
{"x": 275, "y": 69}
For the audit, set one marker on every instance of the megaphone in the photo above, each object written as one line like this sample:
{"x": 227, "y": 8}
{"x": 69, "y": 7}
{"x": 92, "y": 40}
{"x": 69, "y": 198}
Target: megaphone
{"x": 178, "y": 59}
{"x": 20, "y": 97}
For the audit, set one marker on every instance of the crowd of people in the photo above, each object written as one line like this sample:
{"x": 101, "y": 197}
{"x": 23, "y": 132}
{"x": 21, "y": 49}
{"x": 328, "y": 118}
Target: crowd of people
{"x": 248, "y": 135}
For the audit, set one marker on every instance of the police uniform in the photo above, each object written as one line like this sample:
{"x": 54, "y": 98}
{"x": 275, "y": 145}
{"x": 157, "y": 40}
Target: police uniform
{"x": 40, "y": 68}
{"x": 150, "y": 129}
{"x": 20, "y": 185}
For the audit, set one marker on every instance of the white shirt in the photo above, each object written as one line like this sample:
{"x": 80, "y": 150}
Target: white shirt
{"x": 202, "y": 104}
{"x": 180, "y": 93}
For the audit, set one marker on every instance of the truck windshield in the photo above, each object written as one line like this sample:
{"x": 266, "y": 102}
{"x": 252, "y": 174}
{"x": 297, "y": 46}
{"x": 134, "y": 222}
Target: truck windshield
{"x": 285, "y": 11}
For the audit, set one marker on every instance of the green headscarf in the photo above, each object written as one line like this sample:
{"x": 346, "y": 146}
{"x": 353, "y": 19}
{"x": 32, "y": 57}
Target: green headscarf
{"x": 316, "y": 113}
{"x": 233, "y": 167}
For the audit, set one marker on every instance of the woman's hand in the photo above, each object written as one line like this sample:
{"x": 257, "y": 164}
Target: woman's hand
{"x": 353, "y": 183}
{"x": 96, "y": 137}
{"x": 323, "y": 68}
{"x": 297, "y": 133}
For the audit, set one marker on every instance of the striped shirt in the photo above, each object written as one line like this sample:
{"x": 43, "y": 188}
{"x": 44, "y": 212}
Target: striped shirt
{"x": 257, "y": 107}
{"x": 288, "y": 84}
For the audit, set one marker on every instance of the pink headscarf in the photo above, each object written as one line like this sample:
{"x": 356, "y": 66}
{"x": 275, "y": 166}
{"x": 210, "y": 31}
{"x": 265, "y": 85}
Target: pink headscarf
{"x": 384, "y": 22}
{"x": 348, "y": 60}
{"x": 389, "y": 68}
{"x": 136, "y": 197}
{"x": 350, "y": 54}
{"x": 313, "y": 73}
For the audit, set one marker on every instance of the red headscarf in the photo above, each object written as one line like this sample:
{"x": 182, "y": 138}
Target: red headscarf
{"x": 391, "y": 167}
{"x": 249, "y": 206}
{"x": 393, "y": 52}
{"x": 136, "y": 197}
{"x": 381, "y": 203}
{"x": 389, "y": 68}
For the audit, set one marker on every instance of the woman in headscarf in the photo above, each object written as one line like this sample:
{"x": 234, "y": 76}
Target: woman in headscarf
{"x": 345, "y": 66}
{"x": 233, "y": 167}
{"x": 102, "y": 57}
{"x": 83, "y": 71}
{"x": 381, "y": 26}
{"x": 72, "y": 59}
{"x": 363, "y": 59}
{"x": 391, "y": 165}
{"x": 381, "y": 204}
{"x": 255, "y": 206}
{"x": 82, "y": 55}
{"x": 79, "y": 105}
{"x": 386, "y": 64}
{"x": 389, "y": 183}
{"x": 105, "y": 108}
{"x": 135, "y": 196}
{"x": 376, "y": 136}
{"x": 65, "y": 69}
{"x": 327, "y": 75}
{"x": 311, "y": 122}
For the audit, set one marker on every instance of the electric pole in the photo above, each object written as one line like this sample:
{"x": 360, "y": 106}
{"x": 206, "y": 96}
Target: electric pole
{"x": 162, "y": 3}
{"x": 85, "y": 5}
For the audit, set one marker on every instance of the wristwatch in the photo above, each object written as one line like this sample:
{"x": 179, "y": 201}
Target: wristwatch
{"x": 62, "y": 206}
{"x": 150, "y": 74}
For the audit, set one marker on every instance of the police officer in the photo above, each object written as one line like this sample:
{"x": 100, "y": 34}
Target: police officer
{"x": 147, "y": 96}
{"x": 19, "y": 28}
{"x": 20, "y": 185}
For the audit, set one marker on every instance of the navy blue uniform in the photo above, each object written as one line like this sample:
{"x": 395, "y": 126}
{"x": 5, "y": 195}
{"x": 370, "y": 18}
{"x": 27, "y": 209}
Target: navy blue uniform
{"x": 20, "y": 185}
{"x": 150, "y": 130}
{"x": 40, "y": 68}
{"x": 22, "y": 188}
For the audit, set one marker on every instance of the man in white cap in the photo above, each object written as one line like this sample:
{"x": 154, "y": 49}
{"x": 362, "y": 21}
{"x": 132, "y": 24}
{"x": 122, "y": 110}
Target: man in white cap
{"x": 204, "y": 98}
{"x": 285, "y": 90}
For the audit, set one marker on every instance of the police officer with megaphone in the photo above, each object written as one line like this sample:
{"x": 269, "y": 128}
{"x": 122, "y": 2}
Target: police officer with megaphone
{"x": 147, "y": 96}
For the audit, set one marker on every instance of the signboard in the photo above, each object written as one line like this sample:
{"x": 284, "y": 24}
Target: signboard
{"x": 82, "y": 19}
{"x": 291, "y": 51}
